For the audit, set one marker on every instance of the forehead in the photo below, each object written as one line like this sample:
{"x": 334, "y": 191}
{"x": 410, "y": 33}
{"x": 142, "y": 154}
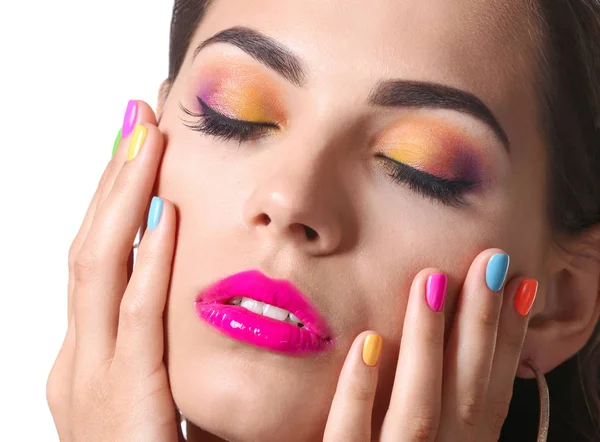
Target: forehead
{"x": 392, "y": 34}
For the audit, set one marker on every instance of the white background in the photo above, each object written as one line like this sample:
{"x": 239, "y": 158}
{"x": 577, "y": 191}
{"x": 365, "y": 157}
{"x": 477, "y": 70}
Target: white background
{"x": 67, "y": 70}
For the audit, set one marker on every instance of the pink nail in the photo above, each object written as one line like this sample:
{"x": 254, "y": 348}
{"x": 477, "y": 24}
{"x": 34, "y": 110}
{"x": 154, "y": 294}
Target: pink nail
{"x": 436, "y": 291}
{"x": 130, "y": 118}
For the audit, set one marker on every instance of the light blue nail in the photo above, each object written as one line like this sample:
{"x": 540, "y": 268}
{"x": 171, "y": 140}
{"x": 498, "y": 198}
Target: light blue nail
{"x": 495, "y": 273}
{"x": 156, "y": 208}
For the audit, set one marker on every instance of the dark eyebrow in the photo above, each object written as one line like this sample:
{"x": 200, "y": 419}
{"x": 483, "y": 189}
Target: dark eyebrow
{"x": 401, "y": 93}
{"x": 418, "y": 94}
{"x": 262, "y": 48}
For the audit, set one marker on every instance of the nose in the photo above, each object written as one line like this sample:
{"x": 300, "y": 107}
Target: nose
{"x": 300, "y": 203}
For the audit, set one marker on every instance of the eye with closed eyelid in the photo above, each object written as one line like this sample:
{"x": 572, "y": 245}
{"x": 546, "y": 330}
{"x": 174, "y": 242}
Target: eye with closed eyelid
{"x": 447, "y": 191}
{"x": 433, "y": 155}
{"x": 211, "y": 122}
{"x": 239, "y": 92}
{"x": 440, "y": 187}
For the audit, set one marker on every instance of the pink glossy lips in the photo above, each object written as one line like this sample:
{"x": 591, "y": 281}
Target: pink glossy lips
{"x": 233, "y": 306}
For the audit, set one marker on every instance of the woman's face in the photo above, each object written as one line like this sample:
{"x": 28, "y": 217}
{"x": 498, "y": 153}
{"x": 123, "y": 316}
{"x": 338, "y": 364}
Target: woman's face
{"x": 395, "y": 135}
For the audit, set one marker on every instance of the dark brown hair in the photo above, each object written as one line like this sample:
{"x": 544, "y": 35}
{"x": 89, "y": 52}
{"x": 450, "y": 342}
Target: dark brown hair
{"x": 570, "y": 100}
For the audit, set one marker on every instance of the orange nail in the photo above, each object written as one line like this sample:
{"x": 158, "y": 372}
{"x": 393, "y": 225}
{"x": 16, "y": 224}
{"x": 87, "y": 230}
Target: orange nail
{"x": 525, "y": 296}
{"x": 372, "y": 350}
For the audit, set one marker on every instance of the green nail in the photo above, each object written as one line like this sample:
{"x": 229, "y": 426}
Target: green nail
{"x": 116, "y": 145}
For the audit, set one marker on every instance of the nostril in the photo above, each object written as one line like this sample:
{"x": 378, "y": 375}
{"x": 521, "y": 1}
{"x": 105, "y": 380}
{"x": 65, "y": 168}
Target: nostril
{"x": 311, "y": 234}
{"x": 263, "y": 220}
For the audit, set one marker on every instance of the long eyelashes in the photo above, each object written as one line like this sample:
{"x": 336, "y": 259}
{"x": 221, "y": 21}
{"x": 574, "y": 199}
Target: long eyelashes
{"x": 449, "y": 192}
{"x": 213, "y": 123}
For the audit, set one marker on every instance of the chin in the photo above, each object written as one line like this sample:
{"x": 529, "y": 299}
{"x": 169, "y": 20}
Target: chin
{"x": 243, "y": 393}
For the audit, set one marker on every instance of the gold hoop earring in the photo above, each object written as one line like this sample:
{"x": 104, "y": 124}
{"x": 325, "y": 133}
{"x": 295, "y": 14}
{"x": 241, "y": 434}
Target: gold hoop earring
{"x": 544, "y": 422}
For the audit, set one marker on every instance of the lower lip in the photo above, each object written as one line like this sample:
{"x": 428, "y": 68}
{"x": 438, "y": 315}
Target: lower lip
{"x": 261, "y": 331}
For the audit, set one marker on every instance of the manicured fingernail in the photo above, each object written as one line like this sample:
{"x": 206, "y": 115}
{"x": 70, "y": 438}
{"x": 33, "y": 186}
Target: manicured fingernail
{"x": 495, "y": 273}
{"x": 372, "y": 350}
{"x": 155, "y": 212}
{"x": 137, "y": 141}
{"x": 435, "y": 291}
{"x": 130, "y": 118}
{"x": 117, "y": 141}
{"x": 525, "y": 296}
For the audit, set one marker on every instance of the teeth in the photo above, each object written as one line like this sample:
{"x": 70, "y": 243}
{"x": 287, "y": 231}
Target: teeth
{"x": 275, "y": 312}
{"x": 267, "y": 310}
{"x": 252, "y": 305}
{"x": 294, "y": 319}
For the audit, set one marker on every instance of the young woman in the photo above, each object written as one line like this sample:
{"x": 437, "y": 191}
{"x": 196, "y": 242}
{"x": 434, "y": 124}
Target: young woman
{"x": 352, "y": 208}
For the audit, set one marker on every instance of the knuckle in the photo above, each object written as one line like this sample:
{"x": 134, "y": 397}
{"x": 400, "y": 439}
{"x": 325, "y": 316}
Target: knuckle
{"x": 132, "y": 312}
{"x": 359, "y": 392}
{"x": 73, "y": 251}
{"x": 434, "y": 338}
{"x": 53, "y": 389}
{"x": 498, "y": 414}
{"x": 469, "y": 409}
{"x": 123, "y": 184}
{"x": 488, "y": 318}
{"x": 423, "y": 425}
{"x": 85, "y": 266}
{"x": 148, "y": 257}
{"x": 514, "y": 343}
{"x": 58, "y": 383}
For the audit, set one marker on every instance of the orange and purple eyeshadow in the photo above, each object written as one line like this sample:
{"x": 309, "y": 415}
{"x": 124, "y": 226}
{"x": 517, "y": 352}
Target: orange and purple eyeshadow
{"x": 241, "y": 93}
{"x": 433, "y": 147}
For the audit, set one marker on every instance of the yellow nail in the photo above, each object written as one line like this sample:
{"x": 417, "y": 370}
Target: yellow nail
{"x": 137, "y": 141}
{"x": 372, "y": 350}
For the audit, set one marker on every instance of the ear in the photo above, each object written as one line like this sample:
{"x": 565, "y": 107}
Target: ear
{"x": 567, "y": 305}
{"x": 163, "y": 93}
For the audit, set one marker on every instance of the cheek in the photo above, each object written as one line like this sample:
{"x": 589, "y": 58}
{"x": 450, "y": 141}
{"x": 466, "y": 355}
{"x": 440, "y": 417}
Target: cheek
{"x": 415, "y": 234}
{"x": 197, "y": 180}
{"x": 400, "y": 237}
{"x": 415, "y": 238}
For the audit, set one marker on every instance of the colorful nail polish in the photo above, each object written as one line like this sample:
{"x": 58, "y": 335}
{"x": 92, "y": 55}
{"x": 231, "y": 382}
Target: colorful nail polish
{"x": 155, "y": 212}
{"x": 495, "y": 273}
{"x": 137, "y": 141}
{"x": 117, "y": 141}
{"x": 130, "y": 118}
{"x": 525, "y": 296}
{"x": 372, "y": 350}
{"x": 435, "y": 291}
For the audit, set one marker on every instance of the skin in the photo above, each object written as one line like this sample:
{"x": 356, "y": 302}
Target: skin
{"x": 374, "y": 236}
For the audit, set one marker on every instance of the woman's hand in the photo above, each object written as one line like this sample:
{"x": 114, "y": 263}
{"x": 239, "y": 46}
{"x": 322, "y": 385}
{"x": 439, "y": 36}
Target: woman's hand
{"x": 109, "y": 381}
{"x": 460, "y": 393}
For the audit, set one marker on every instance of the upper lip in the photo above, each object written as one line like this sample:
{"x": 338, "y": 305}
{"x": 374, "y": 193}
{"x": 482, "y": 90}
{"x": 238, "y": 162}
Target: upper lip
{"x": 278, "y": 292}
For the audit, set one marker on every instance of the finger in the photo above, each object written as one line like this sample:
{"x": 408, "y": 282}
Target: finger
{"x": 470, "y": 350}
{"x": 101, "y": 266}
{"x": 67, "y": 352}
{"x": 136, "y": 111}
{"x": 350, "y": 414}
{"x": 520, "y": 295}
{"x": 80, "y": 238}
{"x": 414, "y": 409}
{"x": 61, "y": 374}
{"x": 140, "y": 334}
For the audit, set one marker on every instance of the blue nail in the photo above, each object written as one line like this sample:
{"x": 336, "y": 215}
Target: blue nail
{"x": 495, "y": 274}
{"x": 155, "y": 212}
